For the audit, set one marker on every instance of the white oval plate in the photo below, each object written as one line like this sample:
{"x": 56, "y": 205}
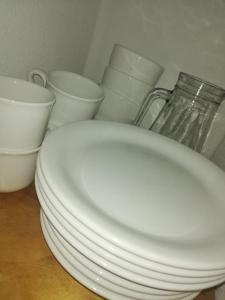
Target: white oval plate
{"x": 145, "y": 193}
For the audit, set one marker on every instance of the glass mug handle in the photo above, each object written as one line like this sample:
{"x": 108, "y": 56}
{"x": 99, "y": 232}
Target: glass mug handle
{"x": 39, "y": 73}
{"x": 151, "y": 97}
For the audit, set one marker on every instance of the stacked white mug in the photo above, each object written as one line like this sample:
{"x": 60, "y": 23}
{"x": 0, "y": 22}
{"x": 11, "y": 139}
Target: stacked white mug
{"x": 126, "y": 81}
{"x": 24, "y": 113}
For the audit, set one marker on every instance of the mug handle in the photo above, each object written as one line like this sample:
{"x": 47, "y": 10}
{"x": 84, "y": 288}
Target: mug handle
{"x": 37, "y": 72}
{"x": 151, "y": 97}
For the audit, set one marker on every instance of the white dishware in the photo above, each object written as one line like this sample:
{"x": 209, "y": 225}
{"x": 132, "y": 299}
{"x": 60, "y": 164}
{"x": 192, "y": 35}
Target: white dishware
{"x": 77, "y": 98}
{"x": 105, "y": 278}
{"x": 117, "y": 108}
{"x": 126, "y": 85}
{"x": 24, "y": 113}
{"x": 130, "y": 210}
{"x": 17, "y": 169}
{"x": 129, "y": 62}
{"x": 108, "y": 250}
{"x": 154, "y": 279}
{"x": 112, "y": 156}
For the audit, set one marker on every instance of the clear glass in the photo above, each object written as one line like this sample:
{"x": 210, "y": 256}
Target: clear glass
{"x": 189, "y": 111}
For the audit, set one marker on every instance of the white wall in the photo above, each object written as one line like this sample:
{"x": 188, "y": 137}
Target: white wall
{"x": 50, "y": 34}
{"x": 179, "y": 34}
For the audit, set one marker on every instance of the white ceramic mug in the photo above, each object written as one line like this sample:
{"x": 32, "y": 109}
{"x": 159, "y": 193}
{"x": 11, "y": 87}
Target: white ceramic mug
{"x": 77, "y": 98}
{"x": 129, "y": 62}
{"x": 24, "y": 113}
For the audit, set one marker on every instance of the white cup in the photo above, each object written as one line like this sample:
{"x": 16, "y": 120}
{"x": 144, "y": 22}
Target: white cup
{"x": 126, "y": 85}
{"x": 77, "y": 98}
{"x": 24, "y": 113}
{"x": 129, "y": 62}
{"x": 116, "y": 107}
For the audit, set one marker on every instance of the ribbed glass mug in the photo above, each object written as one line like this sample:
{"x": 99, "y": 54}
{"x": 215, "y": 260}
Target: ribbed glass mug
{"x": 188, "y": 111}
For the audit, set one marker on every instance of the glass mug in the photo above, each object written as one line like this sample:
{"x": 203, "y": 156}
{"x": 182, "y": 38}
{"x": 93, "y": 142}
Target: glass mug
{"x": 188, "y": 111}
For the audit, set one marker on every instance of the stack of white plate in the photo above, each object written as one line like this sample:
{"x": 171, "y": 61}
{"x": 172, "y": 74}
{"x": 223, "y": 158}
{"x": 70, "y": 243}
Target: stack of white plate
{"x": 126, "y": 82}
{"x": 131, "y": 214}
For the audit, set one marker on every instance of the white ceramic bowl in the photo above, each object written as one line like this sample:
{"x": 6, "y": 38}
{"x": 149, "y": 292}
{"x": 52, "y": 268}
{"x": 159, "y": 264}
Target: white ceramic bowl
{"x": 77, "y": 98}
{"x": 17, "y": 169}
{"x": 116, "y": 107}
{"x": 126, "y": 85}
{"x": 24, "y": 113}
{"x": 127, "y": 61}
